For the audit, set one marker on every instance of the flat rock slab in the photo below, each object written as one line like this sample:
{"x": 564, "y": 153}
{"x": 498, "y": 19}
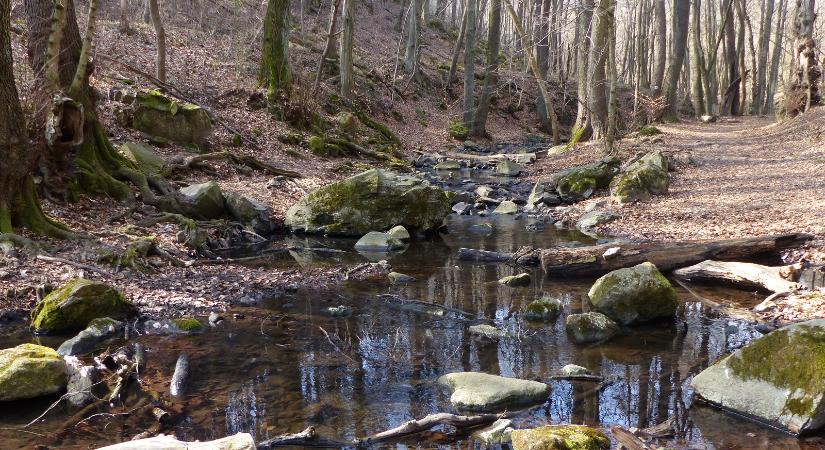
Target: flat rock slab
{"x": 778, "y": 379}
{"x": 482, "y": 392}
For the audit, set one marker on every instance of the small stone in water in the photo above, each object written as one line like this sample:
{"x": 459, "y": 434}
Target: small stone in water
{"x": 338, "y": 311}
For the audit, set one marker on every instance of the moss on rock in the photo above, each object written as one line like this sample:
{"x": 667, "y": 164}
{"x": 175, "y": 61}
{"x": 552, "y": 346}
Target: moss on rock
{"x": 560, "y": 437}
{"x": 579, "y": 183}
{"x": 543, "y": 309}
{"x": 158, "y": 115}
{"x": 29, "y": 371}
{"x": 188, "y": 324}
{"x": 641, "y": 180}
{"x": 635, "y": 295}
{"x": 74, "y": 305}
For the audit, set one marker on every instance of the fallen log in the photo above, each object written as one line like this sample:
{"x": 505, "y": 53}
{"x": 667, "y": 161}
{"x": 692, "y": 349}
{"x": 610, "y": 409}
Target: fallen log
{"x": 742, "y": 314}
{"x": 527, "y": 257}
{"x": 740, "y": 274}
{"x": 240, "y": 441}
{"x": 306, "y": 438}
{"x": 667, "y": 256}
{"x": 628, "y": 440}
{"x": 432, "y": 420}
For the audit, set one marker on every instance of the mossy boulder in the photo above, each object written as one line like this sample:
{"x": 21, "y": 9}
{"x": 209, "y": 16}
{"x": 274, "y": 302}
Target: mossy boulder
{"x": 641, "y": 180}
{"x": 207, "y": 199}
{"x": 188, "y": 324}
{"x": 590, "y": 327}
{"x": 143, "y": 157}
{"x": 579, "y": 183}
{"x": 346, "y": 123}
{"x": 96, "y": 332}
{"x": 543, "y": 309}
{"x": 160, "y": 116}
{"x": 472, "y": 391}
{"x": 251, "y": 213}
{"x": 29, "y": 371}
{"x": 778, "y": 379}
{"x": 635, "y": 295}
{"x": 560, "y": 437}
{"x": 373, "y": 200}
{"x": 75, "y": 304}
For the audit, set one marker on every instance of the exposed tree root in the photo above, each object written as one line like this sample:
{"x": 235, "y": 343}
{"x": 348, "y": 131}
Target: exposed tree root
{"x": 24, "y": 211}
{"x": 244, "y": 160}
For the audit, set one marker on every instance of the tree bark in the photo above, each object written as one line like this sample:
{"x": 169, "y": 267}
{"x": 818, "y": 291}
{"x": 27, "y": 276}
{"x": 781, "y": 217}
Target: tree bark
{"x": 275, "y": 75}
{"x": 345, "y": 62}
{"x": 479, "y": 128}
{"x": 329, "y": 48}
{"x": 667, "y": 256}
{"x": 124, "y": 17}
{"x": 759, "y": 88}
{"x": 660, "y": 58}
{"x": 597, "y": 79}
{"x": 457, "y": 51}
{"x": 696, "y": 83}
{"x": 160, "y": 36}
{"x": 776, "y": 57}
{"x": 584, "y": 15}
{"x": 745, "y": 275}
{"x": 802, "y": 91}
{"x": 469, "y": 64}
{"x": 413, "y": 30}
{"x": 674, "y": 69}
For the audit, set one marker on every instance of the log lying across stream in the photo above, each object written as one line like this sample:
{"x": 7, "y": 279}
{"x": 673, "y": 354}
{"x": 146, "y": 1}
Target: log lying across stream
{"x": 740, "y": 274}
{"x": 667, "y": 256}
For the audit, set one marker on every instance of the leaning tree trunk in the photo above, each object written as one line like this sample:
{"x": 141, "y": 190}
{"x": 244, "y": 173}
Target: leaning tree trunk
{"x": 773, "y": 79}
{"x": 77, "y": 154}
{"x": 345, "y": 61}
{"x": 674, "y": 69}
{"x": 802, "y": 91}
{"x": 160, "y": 36}
{"x": 274, "y": 74}
{"x": 479, "y": 128}
{"x": 19, "y": 205}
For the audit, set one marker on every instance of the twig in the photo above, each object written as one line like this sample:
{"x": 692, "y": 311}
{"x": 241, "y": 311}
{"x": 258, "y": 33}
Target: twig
{"x": 71, "y": 263}
{"x": 336, "y": 347}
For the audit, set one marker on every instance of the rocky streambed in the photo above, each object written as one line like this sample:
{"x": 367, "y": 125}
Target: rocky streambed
{"x": 430, "y": 334}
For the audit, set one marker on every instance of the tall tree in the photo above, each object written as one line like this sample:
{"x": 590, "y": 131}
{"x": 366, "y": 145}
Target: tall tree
{"x": 413, "y": 31}
{"x": 698, "y": 63}
{"x": 802, "y": 90}
{"x": 597, "y": 80}
{"x": 776, "y": 57}
{"x": 345, "y": 62}
{"x": 469, "y": 64}
{"x": 124, "y": 17}
{"x": 160, "y": 36}
{"x": 681, "y": 18}
{"x": 275, "y": 75}
{"x": 491, "y": 71}
{"x": 759, "y": 88}
{"x": 660, "y": 41}
{"x": 584, "y": 16}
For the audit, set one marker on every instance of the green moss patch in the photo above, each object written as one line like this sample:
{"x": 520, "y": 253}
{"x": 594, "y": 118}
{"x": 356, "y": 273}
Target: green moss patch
{"x": 75, "y": 304}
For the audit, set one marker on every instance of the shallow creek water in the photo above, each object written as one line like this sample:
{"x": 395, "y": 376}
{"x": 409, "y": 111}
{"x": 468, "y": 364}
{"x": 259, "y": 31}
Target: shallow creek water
{"x": 287, "y": 365}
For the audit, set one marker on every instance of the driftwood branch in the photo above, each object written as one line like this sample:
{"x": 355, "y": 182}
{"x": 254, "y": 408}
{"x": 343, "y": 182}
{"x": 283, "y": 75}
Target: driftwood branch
{"x": 727, "y": 311}
{"x": 72, "y": 263}
{"x": 432, "y": 420}
{"x": 306, "y": 438}
{"x": 739, "y": 274}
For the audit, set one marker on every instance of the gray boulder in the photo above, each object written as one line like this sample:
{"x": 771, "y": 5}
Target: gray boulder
{"x": 400, "y": 278}
{"x": 448, "y": 164}
{"x": 509, "y": 168}
{"x": 778, "y": 378}
{"x": 251, "y": 213}
{"x": 96, "y": 332}
{"x": 462, "y": 208}
{"x": 542, "y": 194}
{"x": 497, "y": 433}
{"x": 590, "y": 327}
{"x": 373, "y": 200}
{"x": 162, "y": 117}
{"x": 206, "y": 198}
{"x": 635, "y": 295}
{"x": 82, "y": 381}
{"x": 522, "y": 279}
{"x": 572, "y": 370}
{"x": 579, "y": 183}
{"x": 487, "y": 331}
{"x": 641, "y": 180}
{"x": 375, "y": 241}
{"x": 400, "y": 233}
{"x": 29, "y": 371}
{"x": 472, "y": 391}
{"x": 595, "y": 218}
{"x": 506, "y": 207}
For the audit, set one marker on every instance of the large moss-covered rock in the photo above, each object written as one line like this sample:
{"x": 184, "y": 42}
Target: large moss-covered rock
{"x": 635, "y": 295}
{"x": 146, "y": 160}
{"x": 778, "y": 379}
{"x": 579, "y": 183}
{"x": 590, "y": 327}
{"x": 250, "y": 213}
{"x": 160, "y": 116}
{"x": 373, "y": 200}
{"x": 543, "y": 309}
{"x": 473, "y": 391}
{"x": 644, "y": 178}
{"x": 207, "y": 199}
{"x": 29, "y": 371}
{"x": 560, "y": 437}
{"x": 76, "y": 304}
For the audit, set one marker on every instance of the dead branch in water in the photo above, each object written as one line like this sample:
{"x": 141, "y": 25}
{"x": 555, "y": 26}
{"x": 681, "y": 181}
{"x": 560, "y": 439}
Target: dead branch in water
{"x": 432, "y": 420}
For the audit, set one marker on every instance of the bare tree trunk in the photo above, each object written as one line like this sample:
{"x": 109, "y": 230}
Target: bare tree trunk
{"x": 660, "y": 41}
{"x": 597, "y": 80}
{"x": 612, "y": 106}
{"x": 160, "y": 35}
{"x": 329, "y": 48}
{"x": 803, "y": 88}
{"x": 458, "y": 45}
{"x": 759, "y": 88}
{"x": 776, "y": 58}
{"x": 584, "y": 16}
{"x": 698, "y": 95}
{"x": 469, "y": 64}
{"x": 413, "y": 26}
{"x": 479, "y": 128}
{"x": 347, "y": 41}
{"x": 674, "y": 70}
{"x": 124, "y": 17}
{"x": 147, "y": 11}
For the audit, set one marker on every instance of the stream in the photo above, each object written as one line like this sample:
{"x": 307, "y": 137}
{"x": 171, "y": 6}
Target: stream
{"x": 287, "y": 364}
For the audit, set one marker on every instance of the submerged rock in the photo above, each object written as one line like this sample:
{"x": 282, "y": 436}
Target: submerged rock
{"x": 375, "y": 241}
{"x": 560, "y": 437}
{"x": 29, "y": 371}
{"x": 635, "y": 295}
{"x": 641, "y": 180}
{"x": 160, "y": 116}
{"x": 251, "y": 213}
{"x": 74, "y": 305}
{"x": 487, "y": 331}
{"x": 472, "y": 391}
{"x": 207, "y": 199}
{"x": 98, "y": 331}
{"x": 543, "y": 309}
{"x": 497, "y": 433}
{"x": 373, "y": 200}
{"x": 400, "y": 278}
{"x": 594, "y": 218}
{"x": 81, "y": 381}
{"x": 506, "y": 207}
{"x": 579, "y": 183}
{"x": 572, "y": 370}
{"x": 778, "y": 378}
{"x": 522, "y": 279}
{"x": 590, "y": 327}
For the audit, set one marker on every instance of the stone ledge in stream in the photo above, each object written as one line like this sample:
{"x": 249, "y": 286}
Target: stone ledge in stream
{"x": 472, "y": 391}
{"x": 778, "y": 379}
